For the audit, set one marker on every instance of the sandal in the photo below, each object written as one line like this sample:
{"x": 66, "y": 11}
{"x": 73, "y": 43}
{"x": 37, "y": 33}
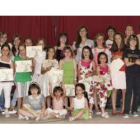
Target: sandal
{"x": 120, "y": 112}
{"x": 114, "y": 113}
{"x": 105, "y": 115}
{"x": 71, "y": 119}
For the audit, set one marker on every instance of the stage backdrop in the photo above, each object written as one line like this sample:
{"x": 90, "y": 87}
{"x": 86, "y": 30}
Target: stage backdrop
{"x": 50, "y": 26}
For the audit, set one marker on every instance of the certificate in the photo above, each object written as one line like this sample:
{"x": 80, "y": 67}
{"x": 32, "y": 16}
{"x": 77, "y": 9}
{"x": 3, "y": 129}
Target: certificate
{"x": 70, "y": 90}
{"x": 24, "y": 66}
{"x": 6, "y": 75}
{"x": 48, "y": 63}
{"x": 55, "y": 76}
{"x": 33, "y": 51}
{"x": 116, "y": 65}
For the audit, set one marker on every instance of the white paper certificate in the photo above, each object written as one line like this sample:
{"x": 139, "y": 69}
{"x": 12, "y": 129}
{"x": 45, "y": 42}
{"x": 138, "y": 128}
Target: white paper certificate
{"x": 48, "y": 63}
{"x": 33, "y": 51}
{"x": 24, "y": 66}
{"x": 55, "y": 76}
{"x": 70, "y": 90}
{"x": 6, "y": 75}
{"x": 116, "y": 65}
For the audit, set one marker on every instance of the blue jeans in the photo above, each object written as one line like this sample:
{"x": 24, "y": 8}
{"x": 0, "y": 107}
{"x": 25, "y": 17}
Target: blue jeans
{"x": 2, "y": 99}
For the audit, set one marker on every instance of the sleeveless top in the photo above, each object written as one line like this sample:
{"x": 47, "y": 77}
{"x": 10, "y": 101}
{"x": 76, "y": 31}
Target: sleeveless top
{"x": 5, "y": 64}
{"x": 59, "y": 54}
{"x": 86, "y": 67}
{"x": 79, "y": 103}
{"x": 103, "y": 69}
{"x": 68, "y": 72}
{"x": 58, "y": 105}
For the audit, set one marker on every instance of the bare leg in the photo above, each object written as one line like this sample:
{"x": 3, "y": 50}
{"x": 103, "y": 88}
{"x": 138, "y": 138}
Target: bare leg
{"x": 71, "y": 99}
{"x": 95, "y": 101}
{"x": 48, "y": 100}
{"x": 114, "y": 95}
{"x": 123, "y": 99}
{"x": 25, "y": 113}
{"x": 19, "y": 102}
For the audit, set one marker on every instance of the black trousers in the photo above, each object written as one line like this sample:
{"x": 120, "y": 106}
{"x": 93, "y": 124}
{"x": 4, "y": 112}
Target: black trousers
{"x": 132, "y": 86}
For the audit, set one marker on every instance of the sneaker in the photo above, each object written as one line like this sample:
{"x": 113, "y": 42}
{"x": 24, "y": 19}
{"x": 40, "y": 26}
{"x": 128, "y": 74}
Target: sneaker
{"x": 27, "y": 118}
{"x": 7, "y": 114}
{"x": 126, "y": 116}
{"x": 2, "y": 109}
{"x": 135, "y": 114}
{"x": 20, "y": 117}
{"x": 10, "y": 112}
{"x": 139, "y": 109}
{"x": 105, "y": 115}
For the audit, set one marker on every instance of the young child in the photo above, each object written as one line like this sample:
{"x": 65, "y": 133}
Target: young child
{"x": 129, "y": 30}
{"x": 81, "y": 41}
{"x": 34, "y": 104}
{"x": 117, "y": 51}
{"x": 68, "y": 65}
{"x": 22, "y": 79}
{"x": 86, "y": 70}
{"x": 102, "y": 87}
{"x": 58, "y": 96}
{"x": 6, "y": 63}
{"x": 37, "y": 62}
{"x": 52, "y": 64}
{"x": 132, "y": 61}
{"x": 110, "y": 32}
{"x": 79, "y": 104}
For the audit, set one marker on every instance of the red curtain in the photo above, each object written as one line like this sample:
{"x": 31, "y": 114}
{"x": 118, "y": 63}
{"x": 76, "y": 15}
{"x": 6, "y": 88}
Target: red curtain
{"x": 50, "y": 26}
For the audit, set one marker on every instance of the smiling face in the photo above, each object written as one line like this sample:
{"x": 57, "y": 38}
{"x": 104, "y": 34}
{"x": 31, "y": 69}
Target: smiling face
{"x": 79, "y": 90}
{"x": 28, "y": 42}
{"x": 58, "y": 93}
{"x": 63, "y": 39}
{"x": 118, "y": 39}
{"x": 133, "y": 43}
{"x": 22, "y": 50}
{"x": 110, "y": 33}
{"x": 100, "y": 40}
{"x": 67, "y": 53}
{"x": 34, "y": 91}
{"x": 86, "y": 53}
{"x": 51, "y": 53}
{"x": 129, "y": 30}
{"x": 3, "y": 38}
{"x": 17, "y": 41}
{"x": 41, "y": 43}
{"x": 5, "y": 51}
{"x": 102, "y": 59}
{"x": 83, "y": 32}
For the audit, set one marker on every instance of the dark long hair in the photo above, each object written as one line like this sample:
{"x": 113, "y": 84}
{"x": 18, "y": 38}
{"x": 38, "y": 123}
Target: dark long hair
{"x": 47, "y": 50}
{"x": 82, "y": 86}
{"x": 78, "y": 40}
{"x": 60, "y": 35}
{"x": 100, "y": 54}
{"x": 13, "y": 48}
{"x": 90, "y": 51}
{"x": 115, "y": 46}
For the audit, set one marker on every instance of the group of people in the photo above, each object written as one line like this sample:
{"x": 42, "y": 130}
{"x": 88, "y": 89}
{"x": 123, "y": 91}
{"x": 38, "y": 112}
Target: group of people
{"x": 87, "y": 80}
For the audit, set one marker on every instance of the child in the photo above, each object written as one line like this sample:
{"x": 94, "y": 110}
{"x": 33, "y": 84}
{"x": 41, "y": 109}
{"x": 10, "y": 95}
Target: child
{"x": 37, "y": 62}
{"x": 82, "y": 40}
{"x": 22, "y": 79}
{"x": 129, "y": 30}
{"x": 34, "y": 104}
{"x": 68, "y": 65}
{"x": 58, "y": 96}
{"x": 62, "y": 42}
{"x": 110, "y": 32}
{"x": 86, "y": 70}
{"x": 132, "y": 60}
{"x": 99, "y": 47}
{"x": 79, "y": 104}
{"x": 6, "y": 63}
{"x": 117, "y": 51}
{"x": 53, "y": 65}
{"x": 102, "y": 87}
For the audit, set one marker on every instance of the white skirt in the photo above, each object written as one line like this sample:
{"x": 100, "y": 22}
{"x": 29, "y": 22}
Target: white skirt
{"x": 119, "y": 80}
